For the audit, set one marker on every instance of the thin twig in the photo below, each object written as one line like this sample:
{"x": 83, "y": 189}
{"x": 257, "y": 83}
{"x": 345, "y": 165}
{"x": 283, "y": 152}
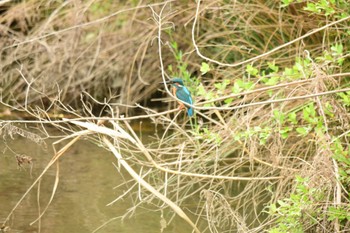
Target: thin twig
{"x": 261, "y": 55}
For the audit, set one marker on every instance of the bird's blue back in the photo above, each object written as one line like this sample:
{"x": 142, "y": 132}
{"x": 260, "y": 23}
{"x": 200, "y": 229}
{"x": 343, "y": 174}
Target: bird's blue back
{"x": 184, "y": 94}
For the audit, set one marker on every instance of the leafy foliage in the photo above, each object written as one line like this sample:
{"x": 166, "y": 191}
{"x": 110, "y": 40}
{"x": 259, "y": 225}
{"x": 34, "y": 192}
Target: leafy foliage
{"x": 293, "y": 211}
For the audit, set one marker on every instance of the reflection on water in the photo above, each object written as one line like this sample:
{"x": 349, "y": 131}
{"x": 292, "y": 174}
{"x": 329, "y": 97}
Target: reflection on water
{"x": 86, "y": 186}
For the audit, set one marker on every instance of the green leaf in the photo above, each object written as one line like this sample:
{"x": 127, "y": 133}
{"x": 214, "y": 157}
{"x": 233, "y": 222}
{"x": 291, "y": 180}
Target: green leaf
{"x": 285, "y": 132}
{"x": 222, "y": 86}
{"x": 309, "y": 114}
{"x": 340, "y": 61}
{"x": 174, "y": 45}
{"x": 272, "y": 66}
{"x": 311, "y": 7}
{"x": 270, "y": 93}
{"x": 178, "y": 56}
{"x": 337, "y": 49}
{"x": 300, "y": 179}
{"x": 251, "y": 70}
{"x": 306, "y": 114}
{"x": 201, "y": 90}
{"x": 299, "y": 66}
{"x": 226, "y": 82}
{"x": 303, "y": 131}
{"x": 209, "y": 95}
{"x": 288, "y": 72}
{"x": 257, "y": 128}
{"x": 345, "y": 98}
{"x": 236, "y": 88}
{"x": 205, "y": 68}
{"x": 279, "y": 116}
{"x": 237, "y": 137}
{"x": 282, "y": 203}
{"x": 218, "y": 86}
{"x": 246, "y": 85}
{"x": 273, "y": 208}
{"x": 329, "y": 109}
{"x": 272, "y": 81}
{"x": 228, "y": 101}
{"x": 292, "y": 117}
{"x": 286, "y": 3}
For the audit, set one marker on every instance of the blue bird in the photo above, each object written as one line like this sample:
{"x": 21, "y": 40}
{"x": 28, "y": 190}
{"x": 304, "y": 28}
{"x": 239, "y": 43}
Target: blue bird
{"x": 182, "y": 93}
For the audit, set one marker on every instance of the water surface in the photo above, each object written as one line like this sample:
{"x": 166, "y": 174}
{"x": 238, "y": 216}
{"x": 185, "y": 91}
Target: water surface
{"x": 87, "y": 184}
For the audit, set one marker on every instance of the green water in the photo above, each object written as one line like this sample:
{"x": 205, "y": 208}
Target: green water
{"x": 87, "y": 184}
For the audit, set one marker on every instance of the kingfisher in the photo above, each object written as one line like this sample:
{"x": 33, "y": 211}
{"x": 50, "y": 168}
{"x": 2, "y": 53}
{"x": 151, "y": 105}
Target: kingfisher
{"x": 182, "y": 93}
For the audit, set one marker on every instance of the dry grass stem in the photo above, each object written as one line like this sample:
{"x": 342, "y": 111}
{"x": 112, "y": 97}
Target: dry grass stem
{"x": 270, "y": 85}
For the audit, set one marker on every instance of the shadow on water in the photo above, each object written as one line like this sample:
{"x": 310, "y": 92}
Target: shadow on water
{"x": 87, "y": 184}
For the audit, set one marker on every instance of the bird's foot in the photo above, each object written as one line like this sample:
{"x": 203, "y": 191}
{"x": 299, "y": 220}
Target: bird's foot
{"x": 182, "y": 106}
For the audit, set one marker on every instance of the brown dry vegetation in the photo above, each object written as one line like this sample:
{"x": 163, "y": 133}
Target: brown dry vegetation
{"x": 65, "y": 48}
{"x": 234, "y": 156}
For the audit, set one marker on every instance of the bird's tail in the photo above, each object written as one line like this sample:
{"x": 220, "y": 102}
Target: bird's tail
{"x": 190, "y": 112}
